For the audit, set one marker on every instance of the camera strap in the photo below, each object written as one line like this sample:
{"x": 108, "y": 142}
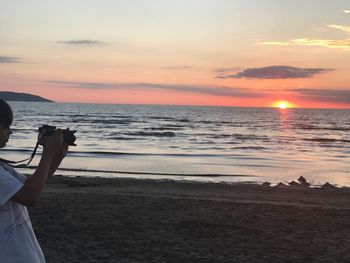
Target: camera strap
{"x": 15, "y": 163}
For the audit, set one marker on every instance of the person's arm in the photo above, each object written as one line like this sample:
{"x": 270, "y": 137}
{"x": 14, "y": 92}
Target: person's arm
{"x": 58, "y": 159}
{"x": 30, "y": 193}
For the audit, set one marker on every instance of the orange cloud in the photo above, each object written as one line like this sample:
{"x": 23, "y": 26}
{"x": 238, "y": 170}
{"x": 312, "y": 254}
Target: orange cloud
{"x": 329, "y": 43}
{"x": 341, "y": 28}
{"x": 276, "y": 72}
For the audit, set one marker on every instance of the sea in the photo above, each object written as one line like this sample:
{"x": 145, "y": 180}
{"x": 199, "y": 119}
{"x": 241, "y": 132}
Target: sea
{"x": 191, "y": 143}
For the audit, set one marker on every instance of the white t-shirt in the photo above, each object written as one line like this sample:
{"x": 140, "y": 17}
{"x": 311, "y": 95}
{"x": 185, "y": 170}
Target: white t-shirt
{"x": 18, "y": 243}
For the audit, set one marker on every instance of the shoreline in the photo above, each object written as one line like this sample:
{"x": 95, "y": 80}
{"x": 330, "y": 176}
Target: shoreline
{"x": 224, "y": 191}
{"x": 214, "y": 178}
{"x": 129, "y": 220}
{"x": 252, "y": 169}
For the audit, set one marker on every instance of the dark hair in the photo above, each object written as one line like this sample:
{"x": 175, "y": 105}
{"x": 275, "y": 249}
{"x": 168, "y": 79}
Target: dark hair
{"x": 6, "y": 115}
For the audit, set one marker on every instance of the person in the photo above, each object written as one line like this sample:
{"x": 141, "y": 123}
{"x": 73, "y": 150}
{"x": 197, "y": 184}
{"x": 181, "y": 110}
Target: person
{"x": 18, "y": 243}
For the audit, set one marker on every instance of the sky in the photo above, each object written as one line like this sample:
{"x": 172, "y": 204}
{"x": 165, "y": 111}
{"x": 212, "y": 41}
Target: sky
{"x": 183, "y": 52}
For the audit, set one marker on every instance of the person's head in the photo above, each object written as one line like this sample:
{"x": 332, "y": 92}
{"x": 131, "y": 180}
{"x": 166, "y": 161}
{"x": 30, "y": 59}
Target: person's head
{"x": 6, "y": 117}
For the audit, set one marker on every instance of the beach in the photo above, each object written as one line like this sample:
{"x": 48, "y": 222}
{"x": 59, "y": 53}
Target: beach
{"x": 182, "y": 131}
{"x": 129, "y": 220}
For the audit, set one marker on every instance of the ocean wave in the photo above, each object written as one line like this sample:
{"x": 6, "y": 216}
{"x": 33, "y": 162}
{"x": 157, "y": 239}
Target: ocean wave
{"x": 249, "y": 148}
{"x": 112, "y": 153}
{"x": 168, "y": 119}
{"x": 105, "y": 121}
{"x": 28, "y": 150}
{"x": 24, "y": 130}
{"x": 151, "y": 134}
{"x": 329, "y": 140}
{"x": 166, "y": 127}
{"x": 220, "y": 136}
{"x": 337, "y": 129}
{"x": 161, "y": 118}
{"x": 73, "y": 115}
{"x": 147, "y": 173}
{"x": 236, "y": 136}
{"x": 121, "y": 138}
{"x": 313, "y": 127}
{"x": 249, "y": 137}
{"x": 216, "y": 122}
{"x": 120, "y": 116}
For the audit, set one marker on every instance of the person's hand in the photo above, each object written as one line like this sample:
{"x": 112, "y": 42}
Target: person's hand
{"x": 54, "y": 143}
{"x": 61, "y": 153}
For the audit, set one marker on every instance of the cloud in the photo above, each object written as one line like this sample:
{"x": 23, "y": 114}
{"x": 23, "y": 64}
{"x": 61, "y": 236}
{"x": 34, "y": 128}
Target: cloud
{"x": 177, "y": 67}
{"x": 329, "y": 43}
{"x": 341, "y": 28}
{"x": 83, "y": 42}
{"x": 323, "y": 95}
{"x": 225, "y": 70}
{"x": 207, "y": 90}
{"x": 276, "y": 72}
{"x": 278, "y": 43}
{"x": 9, "y": 60}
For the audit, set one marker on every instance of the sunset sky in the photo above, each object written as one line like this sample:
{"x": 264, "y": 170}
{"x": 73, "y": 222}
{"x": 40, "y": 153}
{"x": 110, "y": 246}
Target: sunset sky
{"x": 183, "y": 52}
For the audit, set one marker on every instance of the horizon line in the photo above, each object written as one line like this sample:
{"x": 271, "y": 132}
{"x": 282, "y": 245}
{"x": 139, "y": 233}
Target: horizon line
{"x": 188, "y": 105}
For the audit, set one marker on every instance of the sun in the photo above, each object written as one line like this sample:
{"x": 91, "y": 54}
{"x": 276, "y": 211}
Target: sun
{"x": 282, "y": 104}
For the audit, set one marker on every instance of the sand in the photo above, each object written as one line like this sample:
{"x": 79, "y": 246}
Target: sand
{"x": 130, "y": 220}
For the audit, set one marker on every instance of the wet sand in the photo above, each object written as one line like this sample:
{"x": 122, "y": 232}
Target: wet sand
{"x": 130, "y": 220}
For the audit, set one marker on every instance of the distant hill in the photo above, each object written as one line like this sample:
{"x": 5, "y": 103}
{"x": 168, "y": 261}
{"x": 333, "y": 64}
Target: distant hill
{"x": 14, "y": 96}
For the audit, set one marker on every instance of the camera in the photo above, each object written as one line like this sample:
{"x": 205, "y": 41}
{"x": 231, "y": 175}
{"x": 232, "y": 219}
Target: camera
{"x": 47, "y": 130}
